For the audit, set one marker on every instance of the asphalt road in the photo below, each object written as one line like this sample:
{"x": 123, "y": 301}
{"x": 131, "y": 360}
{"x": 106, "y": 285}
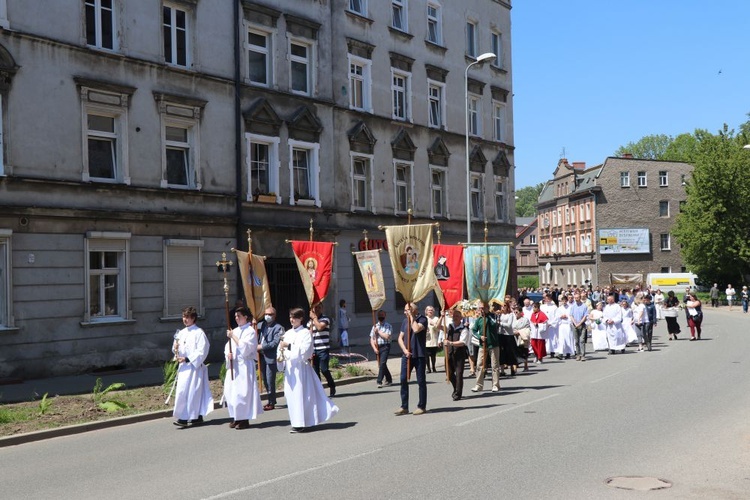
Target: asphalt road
{"x": 679, "y": 413}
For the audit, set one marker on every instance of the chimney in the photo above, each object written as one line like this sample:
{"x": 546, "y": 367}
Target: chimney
{"x": 627, "y": 155}
{"x": 579, "y": 165}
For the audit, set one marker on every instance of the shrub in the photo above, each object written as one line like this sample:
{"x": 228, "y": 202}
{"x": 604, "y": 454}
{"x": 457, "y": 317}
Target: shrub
{"x": 104, "y": 400}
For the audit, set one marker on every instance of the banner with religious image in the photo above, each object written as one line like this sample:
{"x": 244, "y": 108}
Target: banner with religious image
{"x": 449, "y": 272}
{"x": 372, "y": 275}
{"x": 254, "y": 283}
{"x": 315, "y": 263}
{"x": 487, "y": 266}
{"x": 410, "y": 251}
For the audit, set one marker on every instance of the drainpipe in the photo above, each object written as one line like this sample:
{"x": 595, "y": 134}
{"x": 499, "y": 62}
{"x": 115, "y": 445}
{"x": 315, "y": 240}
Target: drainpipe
{"x": 238, "y": 138}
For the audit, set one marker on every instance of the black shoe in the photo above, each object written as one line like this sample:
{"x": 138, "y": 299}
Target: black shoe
{"x": 242, "y": 424}
{"x": 181, "y": 423}
{"x": 333, "y": 393}
{"x": 611, "y": 351}
{"x": 297, "y": 430}
{"x": 622, "y": 351}
{"x": 197, "y": 421}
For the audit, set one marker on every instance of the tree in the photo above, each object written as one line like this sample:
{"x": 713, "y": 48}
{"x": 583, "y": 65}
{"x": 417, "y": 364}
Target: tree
{"x": 649, "y": 147}
{"x": 712, "y": 227}
{"x": 682, "y": 148}
{"x": 527, "y": 199}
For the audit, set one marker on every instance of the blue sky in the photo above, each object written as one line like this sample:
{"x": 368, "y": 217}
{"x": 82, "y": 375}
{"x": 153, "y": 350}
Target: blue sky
{"x": 592, "y": 75}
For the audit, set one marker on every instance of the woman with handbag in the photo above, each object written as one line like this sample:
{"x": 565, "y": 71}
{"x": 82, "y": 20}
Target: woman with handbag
{"x": 670, "y": 315}
{"x": 695, "y": 316}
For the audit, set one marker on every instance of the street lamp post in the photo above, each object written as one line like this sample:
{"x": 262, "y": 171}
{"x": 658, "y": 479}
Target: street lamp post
{"x": 487, "y": 56}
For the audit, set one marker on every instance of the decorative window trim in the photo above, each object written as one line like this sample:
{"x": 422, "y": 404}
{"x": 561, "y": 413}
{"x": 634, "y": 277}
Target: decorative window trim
{"x": 441, "y": 104}
{"x": 100, "y": 241}
{"x": 369, "y": 184}
{"x": 366, "y": 83}
{"x": 187, "y": 8}
{"x": 181, "y": 112}
{"x": 314, "y": 149}
{"x": 498, "y": 51}
{"x": 363, "y": 8}
{"x": 310, "y": 63}
{"x": 502, "y": 195}
{"x": 474, "y": 39}
{"x": 270, "y": 35}
{"x": 481, "y": 192}
{"x": 499, "y": 111}
{"x": 196, "y": 273}
{"x": 438, "y": 20}
{"x": 409, "y": 186}
{"x": 444, "y": 190}
{"x": 476, "y": 100}
{"x": 274, "y": 164}
{"x": 407, "y": 95}
{"x": 404, "y": 9}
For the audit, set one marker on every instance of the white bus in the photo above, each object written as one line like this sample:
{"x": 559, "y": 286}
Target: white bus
{"x": 676, "y": 282}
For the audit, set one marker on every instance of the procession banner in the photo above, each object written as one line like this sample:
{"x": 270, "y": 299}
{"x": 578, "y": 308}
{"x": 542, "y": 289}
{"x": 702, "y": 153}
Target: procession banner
{"x": 487, "y": 266}
{"x": 410, "y": 251}
{"x": 254, "y": 283}
{"x": 315, "y": 263}
{"x": 372, "y": 275}
{"x": 449, "y": 272}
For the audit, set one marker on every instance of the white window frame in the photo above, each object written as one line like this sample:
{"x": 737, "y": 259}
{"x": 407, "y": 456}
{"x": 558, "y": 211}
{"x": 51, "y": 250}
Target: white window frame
{"x": 435, "y": 20}
{"x": 567, "y": 215}
{"x": 663, "y": 178}
{"x": 408, "y": 185}
{"x": 642, "y": 179}
{"x": 192, "y": 146}
{"x": 496, "y": 44}
{"x": 362, "y": 11}
{"x": 588, "y": 211}
{"x": 667, "y": 205}
{"x": 6, "y": 281}
{"x": 624, "y": 179}
{"x": 171, "y": 59}
{"x": 532, "y": 239}
{"x": 665, "y": 245}
{"x": 99, "y": 12}
{"x": 4, "y": 15}
{"x": 500, "y": 195}
{"x": 366, "y": 179}
{"x": 274, "y": 164}
{"x": 267, "y": 52}
{"x": 105, "y": 241}
{"x": 472, "y": 40}
{"x": 479, "y": 191}
{"x": 581, "y": 214}
{"x": 183, "y": 276}
{"x": 308, "y": 61}
{"x": 366, "y": 81}
{"x": 406, "y": 90}
{"x": 442, "y": 191}
{"x": 95, "y": 102}
{"x": 474, "y": 107}
{"x": 400, "y": 8}
{"x": 498, "y": 120}
{"x": 573, "y": 244}
{"x": 436, "y": 94}
{"x": 313, "y": 149}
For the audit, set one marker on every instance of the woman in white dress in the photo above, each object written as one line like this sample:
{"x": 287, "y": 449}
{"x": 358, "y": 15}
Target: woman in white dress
{"x": 566, "y": 343}
{"x": 659, "y": 303}
{"x": 240, "y": 387}
{"x": 631, "y": 335}
{"x": 596, "y": 326}
{"x": 306, "y": 399}
{"x": 639, "y": 319}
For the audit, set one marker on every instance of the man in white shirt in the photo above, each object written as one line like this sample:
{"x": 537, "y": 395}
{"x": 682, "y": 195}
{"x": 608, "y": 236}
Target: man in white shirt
{"x": 730, "y": 293}
{"x": 380, "y": 341}
{"x": 612, "y": 316}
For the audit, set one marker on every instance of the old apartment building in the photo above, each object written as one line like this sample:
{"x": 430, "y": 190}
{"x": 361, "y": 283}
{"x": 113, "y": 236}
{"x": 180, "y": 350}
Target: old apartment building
{"x": 141, "y": 139}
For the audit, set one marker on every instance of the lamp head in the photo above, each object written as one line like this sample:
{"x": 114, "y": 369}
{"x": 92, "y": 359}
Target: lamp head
{"x": 487, "y": 56}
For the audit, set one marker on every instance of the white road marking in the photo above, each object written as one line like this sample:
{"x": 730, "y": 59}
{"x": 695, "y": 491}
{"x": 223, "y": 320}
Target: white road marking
{"x": 467, "y": 422}
{"x": 291, "y": 475}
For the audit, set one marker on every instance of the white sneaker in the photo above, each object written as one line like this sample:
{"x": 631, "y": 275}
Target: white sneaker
{"x": 476, "y": 388}
{"x": 495, "y": 388}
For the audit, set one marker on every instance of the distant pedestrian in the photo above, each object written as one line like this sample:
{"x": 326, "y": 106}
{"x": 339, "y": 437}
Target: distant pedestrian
{"x": 714, "y": 294}
{"x": 730, "y": 292}
{"x": 380, "y": 340}
{"x": 670, "y": 315}
{"x": 745, "y": 297}
{"x": 344, "y": 325}
{"x": 695, "y": 316}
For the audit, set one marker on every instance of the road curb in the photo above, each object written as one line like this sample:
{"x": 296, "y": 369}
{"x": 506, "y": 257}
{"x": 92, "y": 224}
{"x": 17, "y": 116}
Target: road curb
{"x": 70, "y": 430}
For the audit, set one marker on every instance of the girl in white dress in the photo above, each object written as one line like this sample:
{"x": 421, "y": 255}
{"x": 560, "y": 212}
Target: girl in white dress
{"x": 627, "y": 321}
{"x": 597, "y": 328}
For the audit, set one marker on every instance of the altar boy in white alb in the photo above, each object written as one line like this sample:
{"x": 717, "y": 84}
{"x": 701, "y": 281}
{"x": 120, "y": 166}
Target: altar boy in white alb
{"x": 193, "y": 399}
{"x": 305, "y": 397}
{"x": 240, "y": 388}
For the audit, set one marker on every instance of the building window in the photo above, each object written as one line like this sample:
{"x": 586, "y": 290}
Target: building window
{"x": 358, "y": 7}
{"x": 105, "y": 136}
{"x": 572, "y": 244}
{"x": 642, "y": 181}
{"x": 438, "y": 208}
{"x": 663, "y": 178}
{"x": 471, "y": 39}
{"x": 437, "y": 104}
{"x": 180, "y": 144}
{"x": 402, "y": 181}
{"x": 300, "y": 69}
{"x": 360, "y": 83}
{"x": 664, "y": 241}
{"x": 361, "y": 184}
{"x": 259, "y": 60}
{"x": 107, "y": 286}
{"x": 183, "y": 276}
{"x": 175, "y": 24}
{"x": 666, "y": 270}
{"x": 567, "y": 244}
{"x": 400, "y": 20}
{"x": 178, "y": 157}
{"x": 401, "y": 93}
{"x": 567, "y": 215}
{"x": 100, "y": 24}
{"x": 581, "y": 216}
{"x": 496, "y": 41}
{"x": 554, "y": 219}
{"x": 500, "y": 210}
{"x": 625, "y": 179}
{"x": 532, "y": 239}
{"x": 434, "y": 24}
{"x": 477, "y": 197}
{"x": 304, "y": 173}
{"x": 5, "y": 283}
{"x": 262, "y": 166}
{"x": 498, "y": 121}
{"x": 663, "y": 209}
{"x": 588, "y": 211}
{"x": 475, "y": 121}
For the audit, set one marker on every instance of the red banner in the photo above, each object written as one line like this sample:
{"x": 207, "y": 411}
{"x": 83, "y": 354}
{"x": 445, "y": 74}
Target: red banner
{"x": 315, "y": 262}
{"x": 449, "y": 272}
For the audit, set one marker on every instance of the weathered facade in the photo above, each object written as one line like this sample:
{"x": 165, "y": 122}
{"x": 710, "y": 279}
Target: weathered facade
{"x": 141, "y": 139}
{"x": 527, "y": 253}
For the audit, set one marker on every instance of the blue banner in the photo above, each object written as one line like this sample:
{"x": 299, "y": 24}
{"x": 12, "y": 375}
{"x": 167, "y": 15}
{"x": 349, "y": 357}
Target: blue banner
{"x": 486, "y": 266}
